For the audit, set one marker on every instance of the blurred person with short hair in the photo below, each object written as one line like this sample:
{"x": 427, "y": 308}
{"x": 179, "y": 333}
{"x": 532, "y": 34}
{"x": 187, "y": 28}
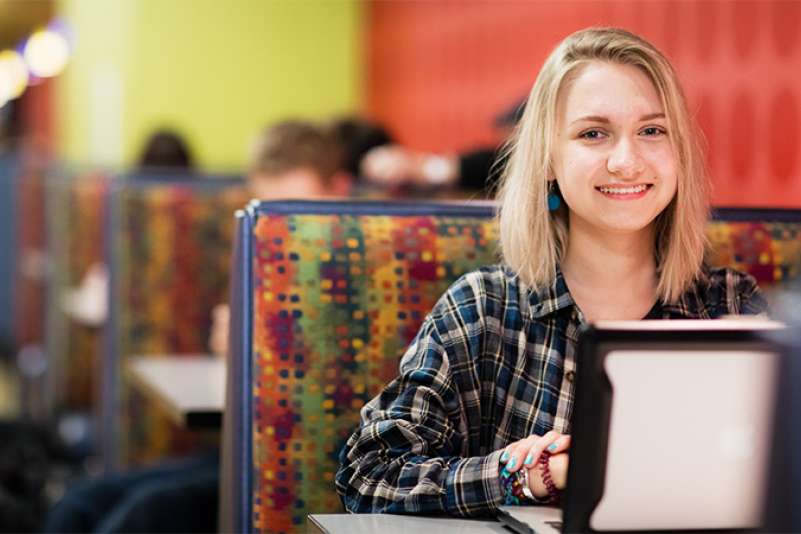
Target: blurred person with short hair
{"x": 297, "y": 159}
{"x": 293, "y": 159}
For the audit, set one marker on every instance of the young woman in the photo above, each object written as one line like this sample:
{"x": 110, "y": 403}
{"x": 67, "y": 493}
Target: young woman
{"x": 603, "y": 205}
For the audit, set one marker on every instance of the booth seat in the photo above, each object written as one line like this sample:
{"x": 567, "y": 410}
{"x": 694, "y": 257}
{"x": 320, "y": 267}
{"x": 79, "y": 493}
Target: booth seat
{"x": 168, "y": 247}
{"x": 325, "y": 298}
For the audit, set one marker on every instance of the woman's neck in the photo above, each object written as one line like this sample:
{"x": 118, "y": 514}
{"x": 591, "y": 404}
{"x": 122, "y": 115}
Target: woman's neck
{"x": 611, "y": 275}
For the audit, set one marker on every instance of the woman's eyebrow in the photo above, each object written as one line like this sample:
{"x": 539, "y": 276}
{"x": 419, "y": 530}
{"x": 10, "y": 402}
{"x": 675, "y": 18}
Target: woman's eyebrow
{"x": 605, "y": 120}
{"x": 592, "y": 118}
{"x": 652, "y": 116}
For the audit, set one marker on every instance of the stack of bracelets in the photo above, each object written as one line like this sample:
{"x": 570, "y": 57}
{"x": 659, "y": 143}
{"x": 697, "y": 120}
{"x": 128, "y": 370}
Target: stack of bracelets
{"x": 515, "y": 485}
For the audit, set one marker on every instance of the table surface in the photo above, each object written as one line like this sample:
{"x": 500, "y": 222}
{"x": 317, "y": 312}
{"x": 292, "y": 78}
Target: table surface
{"x": 191, "y": 388}
{"x": 400, "y": 524}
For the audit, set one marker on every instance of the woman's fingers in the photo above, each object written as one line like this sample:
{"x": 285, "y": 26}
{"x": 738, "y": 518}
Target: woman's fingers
{"x": 553, "y": 442}
{"x": 560, "y": 445}
{"x": 526, "y": 452}
{"x": 515, "y": 453}
{"x": 536, "y": 448}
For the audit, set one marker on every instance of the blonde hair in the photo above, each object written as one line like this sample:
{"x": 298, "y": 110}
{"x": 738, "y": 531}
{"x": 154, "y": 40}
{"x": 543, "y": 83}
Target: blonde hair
{"x": 533, "y": 238}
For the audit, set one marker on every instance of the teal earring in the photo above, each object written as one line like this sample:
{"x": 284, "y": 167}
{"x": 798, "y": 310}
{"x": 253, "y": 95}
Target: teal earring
{"x": 554, "y": 201}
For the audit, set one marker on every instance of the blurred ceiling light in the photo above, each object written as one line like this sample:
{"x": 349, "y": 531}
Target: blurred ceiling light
{"x": 46, "y": 53}
{"x": 5, "y": 88}
{"x": 15, "y": 71}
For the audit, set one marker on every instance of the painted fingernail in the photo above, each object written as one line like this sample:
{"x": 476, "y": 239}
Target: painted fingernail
{"x": 529, "y": 459}
{"x": 552, "y": 447}
{"x": 511, "y": 463}
{"x": 504, "y": 456}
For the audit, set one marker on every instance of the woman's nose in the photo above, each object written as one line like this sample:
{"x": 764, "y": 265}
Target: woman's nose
{"x": 624, "y": 160}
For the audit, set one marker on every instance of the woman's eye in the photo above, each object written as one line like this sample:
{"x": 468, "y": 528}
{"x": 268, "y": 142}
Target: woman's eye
{"x": 591, "y": 134}
{"x": 653, "y": 131}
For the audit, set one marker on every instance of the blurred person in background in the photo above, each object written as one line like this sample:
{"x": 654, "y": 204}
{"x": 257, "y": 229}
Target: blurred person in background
{"x": 297, "y": 159}
{"x": 395, "y": 166}
{"x": 176, "y": 496}
{"x": 164, "y": 151}
{"x": 356, "y": 137}
{"x": 293, "y": 159}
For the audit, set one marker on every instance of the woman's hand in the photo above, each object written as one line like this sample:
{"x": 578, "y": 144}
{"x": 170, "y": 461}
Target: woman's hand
{"x": 220, "y": 326}
{"x": 558, "y": 467}
{"x": 526, "y": 452}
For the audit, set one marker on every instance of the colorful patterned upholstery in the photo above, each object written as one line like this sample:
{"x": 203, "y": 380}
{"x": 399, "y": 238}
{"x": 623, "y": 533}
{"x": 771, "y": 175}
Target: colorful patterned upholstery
{"x": 765, "y": 243}
{"x": 338, "y": 291}
{"x": 331, "y": 295}
{"x": 170, "y": 255}
{"x": 75, "y": 228}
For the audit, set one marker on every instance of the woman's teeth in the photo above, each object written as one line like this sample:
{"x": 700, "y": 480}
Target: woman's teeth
{"x": 623, "y": 190}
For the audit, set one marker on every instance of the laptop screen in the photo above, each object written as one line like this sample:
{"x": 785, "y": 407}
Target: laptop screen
{"x": 671, "y": 426}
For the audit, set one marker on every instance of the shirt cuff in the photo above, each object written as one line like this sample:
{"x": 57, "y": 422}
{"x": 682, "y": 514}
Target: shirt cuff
{"x": 473, "y": 486}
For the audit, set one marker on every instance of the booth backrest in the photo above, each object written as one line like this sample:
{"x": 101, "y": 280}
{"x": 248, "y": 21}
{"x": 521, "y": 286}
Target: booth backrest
{"x": 325, "y": 299}
{"x": 76, "y": 217}
{"x": 332, "y": 293}
{"x": 765, "y": 243}
{"x": 30, "y": 279}
{"x": 169, "y": 248}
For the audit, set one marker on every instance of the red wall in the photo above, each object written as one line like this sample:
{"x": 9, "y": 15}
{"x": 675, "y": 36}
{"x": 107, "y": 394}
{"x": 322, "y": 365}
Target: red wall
{"x": 440, "y": 71}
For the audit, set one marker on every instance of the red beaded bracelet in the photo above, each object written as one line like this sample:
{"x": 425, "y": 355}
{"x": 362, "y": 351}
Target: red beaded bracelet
{"x": 545, "y": 473}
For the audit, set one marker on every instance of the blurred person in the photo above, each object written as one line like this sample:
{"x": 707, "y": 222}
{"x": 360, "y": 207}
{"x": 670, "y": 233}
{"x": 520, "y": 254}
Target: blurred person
{"x": 297, "y": 159}
{"x": 293, "y": 159}
{"x": 393, "y": 165}
{"x": 134, "y": 500}
{"x": 166, "y": 149}
{"x": 357, "y": 137}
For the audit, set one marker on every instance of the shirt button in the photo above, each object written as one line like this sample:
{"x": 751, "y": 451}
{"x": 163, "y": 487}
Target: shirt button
{"x": 570, "y": 376}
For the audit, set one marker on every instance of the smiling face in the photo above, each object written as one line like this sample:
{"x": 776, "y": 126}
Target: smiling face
{"x": 613, "y": 157}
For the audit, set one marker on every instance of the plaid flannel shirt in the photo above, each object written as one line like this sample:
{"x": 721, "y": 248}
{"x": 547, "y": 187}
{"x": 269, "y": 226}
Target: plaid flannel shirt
{"x": 491, "y": 364}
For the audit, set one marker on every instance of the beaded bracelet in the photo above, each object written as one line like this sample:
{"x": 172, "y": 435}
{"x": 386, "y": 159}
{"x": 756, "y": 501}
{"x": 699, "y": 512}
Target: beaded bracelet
{"x": 526, "y": 488}
{"x": 515, "y": 486}
{"x": 547, "y": 480}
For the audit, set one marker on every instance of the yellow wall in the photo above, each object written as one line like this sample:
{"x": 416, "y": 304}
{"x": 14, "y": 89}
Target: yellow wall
{"x": 217, "y": 71}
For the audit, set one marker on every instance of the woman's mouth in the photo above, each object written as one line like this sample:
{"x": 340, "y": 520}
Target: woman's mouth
{"x": 629, "y": 192}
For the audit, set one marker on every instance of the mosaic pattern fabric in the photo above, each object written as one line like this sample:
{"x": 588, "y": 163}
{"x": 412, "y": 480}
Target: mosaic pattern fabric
{"x": 170, "y": 260}
{"x": 770, "y": 251}
{"x": 336, "y": 299}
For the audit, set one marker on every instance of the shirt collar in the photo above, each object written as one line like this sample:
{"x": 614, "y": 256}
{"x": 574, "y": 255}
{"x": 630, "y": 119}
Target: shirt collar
{"x": 552, "y": 298}
{"x": 555, "y": 297}
{"x": 693, "y": 303}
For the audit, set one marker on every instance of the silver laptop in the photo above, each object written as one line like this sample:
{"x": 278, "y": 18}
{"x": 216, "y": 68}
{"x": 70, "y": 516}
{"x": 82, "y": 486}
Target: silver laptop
{"x": 671, "y": 428}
